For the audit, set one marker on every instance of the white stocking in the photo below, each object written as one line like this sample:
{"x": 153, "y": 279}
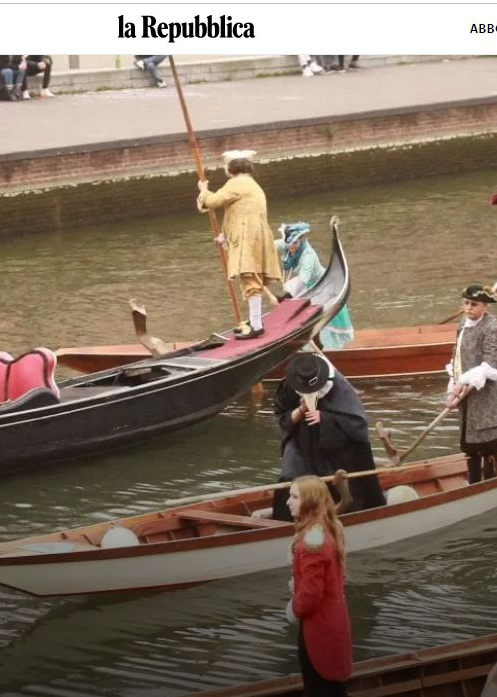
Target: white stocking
{"x": 255, "y": 311}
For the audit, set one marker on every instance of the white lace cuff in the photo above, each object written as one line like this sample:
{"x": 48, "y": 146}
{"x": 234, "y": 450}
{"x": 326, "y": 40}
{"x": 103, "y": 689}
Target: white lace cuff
{"x": 478, "y": 376}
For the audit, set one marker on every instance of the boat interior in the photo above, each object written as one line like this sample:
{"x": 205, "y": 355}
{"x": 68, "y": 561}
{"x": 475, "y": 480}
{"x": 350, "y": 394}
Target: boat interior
{"x": 133, "y": 374}
{"x": 454, "y": 670}
{"x": 423, "y": 334}
{"x": 245, "y": 511}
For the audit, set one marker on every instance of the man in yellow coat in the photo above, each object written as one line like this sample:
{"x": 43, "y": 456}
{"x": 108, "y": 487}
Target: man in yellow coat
{"x": 251, "y": 251}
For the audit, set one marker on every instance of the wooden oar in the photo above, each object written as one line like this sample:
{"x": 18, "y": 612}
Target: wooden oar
{"x": 454, "y": 316}
{"x": 285, "y": 485}
{"x": 396, "y": 456}
{"x": 201, "y": 175}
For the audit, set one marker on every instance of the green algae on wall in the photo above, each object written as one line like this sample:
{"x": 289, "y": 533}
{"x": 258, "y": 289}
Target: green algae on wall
{"x": 150, "y": 196}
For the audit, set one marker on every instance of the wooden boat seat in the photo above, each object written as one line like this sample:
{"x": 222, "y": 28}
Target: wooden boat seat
{"x": 158, "y": 530}
{"x": 242, "y": 521}
{"x": 412, "y": 476}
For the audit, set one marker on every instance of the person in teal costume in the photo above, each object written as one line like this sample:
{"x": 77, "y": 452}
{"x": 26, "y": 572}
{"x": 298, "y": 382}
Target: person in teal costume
{"x": 303, "y": 270}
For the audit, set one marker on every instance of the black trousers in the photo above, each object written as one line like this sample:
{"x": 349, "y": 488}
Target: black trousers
{"x": 482, "y": 457}
{"x": 314, "y": 684}
{"x": 341, "y": 61}
{"x": 33, "y": 69}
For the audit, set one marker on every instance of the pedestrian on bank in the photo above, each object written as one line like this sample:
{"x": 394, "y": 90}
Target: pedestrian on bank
{"x": 318, "y": 603}
{"x": 12, "y": 69}
{"x": 324, "y": 429}
{"x": 474, "y": 364}
{"x": 252, "y": 255}
{"x": 36, "y": 65}
{"x": 150, "y": 65}
{"x": 309, "y": 65}
{"x": 353, "y": 65}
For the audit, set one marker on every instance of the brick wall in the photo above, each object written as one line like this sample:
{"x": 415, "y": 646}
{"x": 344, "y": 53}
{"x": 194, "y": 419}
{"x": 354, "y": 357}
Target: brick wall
{"x": 155, "y": 176}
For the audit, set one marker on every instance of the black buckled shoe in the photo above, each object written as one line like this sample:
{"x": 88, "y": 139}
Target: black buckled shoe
{"x": 286, "y": 296}
{"x": 249, "y": 333}
{"x": 242, "y": 327}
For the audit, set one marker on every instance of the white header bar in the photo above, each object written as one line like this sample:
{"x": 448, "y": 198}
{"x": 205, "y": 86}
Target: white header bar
{"x": 265, "y": 28}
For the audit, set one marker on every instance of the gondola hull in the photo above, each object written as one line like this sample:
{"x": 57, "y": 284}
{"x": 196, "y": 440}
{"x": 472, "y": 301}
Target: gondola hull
{"x": 135, "y": 402}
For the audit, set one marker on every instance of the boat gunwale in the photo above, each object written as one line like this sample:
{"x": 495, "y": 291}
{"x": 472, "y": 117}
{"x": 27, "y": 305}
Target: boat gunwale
{"x": 245, "y": 536}
{"x": 369, "y": 668}
{"x": 160, "y": 384}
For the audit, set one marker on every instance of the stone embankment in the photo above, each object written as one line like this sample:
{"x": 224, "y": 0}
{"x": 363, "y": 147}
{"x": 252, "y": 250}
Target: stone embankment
{"x": 121, "y": 153}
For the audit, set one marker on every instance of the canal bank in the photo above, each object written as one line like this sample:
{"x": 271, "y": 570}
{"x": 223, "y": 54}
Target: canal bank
{"x": 122, "y": 154}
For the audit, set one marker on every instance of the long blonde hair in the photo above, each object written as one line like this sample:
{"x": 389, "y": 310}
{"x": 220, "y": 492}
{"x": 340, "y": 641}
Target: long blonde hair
{"x": 318, "y": 507}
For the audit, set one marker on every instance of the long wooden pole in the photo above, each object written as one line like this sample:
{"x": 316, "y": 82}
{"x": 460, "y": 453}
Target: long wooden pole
{"x": 201, "y": 175}
{"x": 286, "y": 485}
{"x": 397, "y": 457}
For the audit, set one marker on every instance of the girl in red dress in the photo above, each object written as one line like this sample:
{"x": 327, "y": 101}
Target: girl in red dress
{"x": 324, "y": 645}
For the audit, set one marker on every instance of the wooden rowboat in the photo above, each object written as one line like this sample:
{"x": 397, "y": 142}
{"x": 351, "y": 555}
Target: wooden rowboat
{"x": 454, "y": 670}
{"x": 218, "y": 537}
{"x": 419, "y": 350}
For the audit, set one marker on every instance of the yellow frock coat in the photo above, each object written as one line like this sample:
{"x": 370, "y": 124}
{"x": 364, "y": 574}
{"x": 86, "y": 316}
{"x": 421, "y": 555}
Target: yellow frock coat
{"x": 250, "y": 240}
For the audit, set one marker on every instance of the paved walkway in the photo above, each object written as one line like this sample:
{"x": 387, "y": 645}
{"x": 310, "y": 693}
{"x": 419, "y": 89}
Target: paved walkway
{"x": 100, "y": 117}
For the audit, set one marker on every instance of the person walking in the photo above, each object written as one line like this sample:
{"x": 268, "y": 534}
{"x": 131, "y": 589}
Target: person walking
{"x": 252, "y": 255}
{"x": 303, "y": 270}
{"x": 318, "y": 603}
{"x": 474, "y": 364}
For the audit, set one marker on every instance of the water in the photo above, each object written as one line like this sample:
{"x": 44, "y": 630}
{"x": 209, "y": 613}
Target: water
{"x": 411, "y": 248}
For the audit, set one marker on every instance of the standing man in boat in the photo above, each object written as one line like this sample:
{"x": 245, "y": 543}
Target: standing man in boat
{"x": 324, "y": 429}
{"x": 474, "y": 364}
{"x": 251, "y": 252}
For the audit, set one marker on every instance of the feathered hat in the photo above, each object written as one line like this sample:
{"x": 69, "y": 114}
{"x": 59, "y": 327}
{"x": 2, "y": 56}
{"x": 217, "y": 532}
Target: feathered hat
{"x": 293, "y": 232}
{"x": 483, "y": 294}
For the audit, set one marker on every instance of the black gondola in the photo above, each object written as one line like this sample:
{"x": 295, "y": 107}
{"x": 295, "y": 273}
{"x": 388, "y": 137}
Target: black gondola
{"x": 103, "y": 410}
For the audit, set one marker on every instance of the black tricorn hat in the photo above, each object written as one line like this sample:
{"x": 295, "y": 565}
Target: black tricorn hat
{"x": 307, "y": 373}
{"x": 483, "y": 294}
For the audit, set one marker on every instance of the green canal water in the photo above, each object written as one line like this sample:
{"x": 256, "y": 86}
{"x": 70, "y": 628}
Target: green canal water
{"x": 411, "y": 247}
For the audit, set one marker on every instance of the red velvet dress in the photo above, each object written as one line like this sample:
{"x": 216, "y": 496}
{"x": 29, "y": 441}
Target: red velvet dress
{"x": 320, "y": 604}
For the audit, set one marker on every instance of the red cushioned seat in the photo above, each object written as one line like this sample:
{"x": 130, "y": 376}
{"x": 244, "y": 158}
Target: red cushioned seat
{"x": 31, "y": 371}
{"x": 5, "y": 360}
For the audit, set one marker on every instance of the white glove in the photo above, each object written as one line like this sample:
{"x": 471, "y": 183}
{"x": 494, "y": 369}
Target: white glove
{"x": 221, "y": 238}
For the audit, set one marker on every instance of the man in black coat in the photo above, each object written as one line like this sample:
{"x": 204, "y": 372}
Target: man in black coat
{"x": 324, "y": 429}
